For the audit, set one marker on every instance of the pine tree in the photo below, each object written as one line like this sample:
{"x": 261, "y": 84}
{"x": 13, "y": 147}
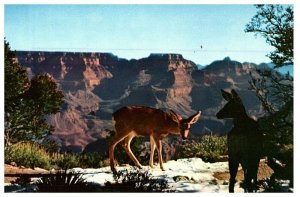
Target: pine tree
{"x": 27, "y": 103}
{"x": 275, "y": 91}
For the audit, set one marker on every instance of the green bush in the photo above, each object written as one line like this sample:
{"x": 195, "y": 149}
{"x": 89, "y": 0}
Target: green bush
{"x": 66, "y": 161}
{"x": 137, "y": 147}
{"x": 27, "y": 154}
{"x": 286, "y": 153}
{"x": 32, "y": 155}
{"x": 92, "y": 160}
{"x": 210, "y": 148}
{"x": 50, "y": 145}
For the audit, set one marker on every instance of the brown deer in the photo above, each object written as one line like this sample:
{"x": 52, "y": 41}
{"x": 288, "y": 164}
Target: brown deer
{"x": 244, "y": 141}
{"x": 134, "y": 121}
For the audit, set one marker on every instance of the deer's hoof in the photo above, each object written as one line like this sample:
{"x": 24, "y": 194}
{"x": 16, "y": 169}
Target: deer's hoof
{"x": 114, "y": 171}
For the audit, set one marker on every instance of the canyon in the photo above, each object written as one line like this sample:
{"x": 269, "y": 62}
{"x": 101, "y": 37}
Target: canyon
{"x": 97, "y": 84}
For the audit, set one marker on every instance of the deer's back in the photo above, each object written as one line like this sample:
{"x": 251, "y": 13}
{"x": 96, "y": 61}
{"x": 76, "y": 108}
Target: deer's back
{"x": 142, "y": 119}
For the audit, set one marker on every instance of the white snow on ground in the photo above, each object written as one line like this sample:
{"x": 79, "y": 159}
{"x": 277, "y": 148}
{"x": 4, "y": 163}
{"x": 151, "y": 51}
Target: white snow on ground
{"x": 199, "y": 173}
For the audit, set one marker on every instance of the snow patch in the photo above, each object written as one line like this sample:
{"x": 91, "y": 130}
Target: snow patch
{"x": 199, "y": 175}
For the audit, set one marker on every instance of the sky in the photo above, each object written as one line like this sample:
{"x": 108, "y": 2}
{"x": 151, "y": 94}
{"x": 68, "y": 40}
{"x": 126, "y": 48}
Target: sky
{"x": 201, "y": 33}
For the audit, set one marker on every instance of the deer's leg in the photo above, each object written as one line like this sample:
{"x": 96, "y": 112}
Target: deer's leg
{"x": 233, "y": 167}
{"x": 127, "y": 148}
{"x": 152, "y": 149}
{"x": 247, "y": 179}
{"x": 255, "y": 176}
{"x": 159, "y": 148}
{"x": 251, "y": 179}
{"x": 116, "y": 139}
{"x": 250, "y": 167}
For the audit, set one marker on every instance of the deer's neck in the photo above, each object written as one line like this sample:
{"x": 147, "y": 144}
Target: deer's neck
{"x": 240, "y": 120}
{"x": 175, "y": 130}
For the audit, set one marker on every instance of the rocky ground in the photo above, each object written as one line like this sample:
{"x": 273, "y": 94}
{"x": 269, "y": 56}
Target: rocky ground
{"x": 199, "y": 176}
{"x": 264, "y": 172}
{"x": 13, "y": 170}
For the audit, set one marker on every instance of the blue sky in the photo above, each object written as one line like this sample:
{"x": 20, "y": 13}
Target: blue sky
{"x": 135, "y": 31}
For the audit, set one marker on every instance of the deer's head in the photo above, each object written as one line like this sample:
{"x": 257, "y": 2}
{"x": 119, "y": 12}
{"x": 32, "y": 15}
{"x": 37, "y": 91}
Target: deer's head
{"x": 185, "y": 124}
{"x": 234, "y": 107}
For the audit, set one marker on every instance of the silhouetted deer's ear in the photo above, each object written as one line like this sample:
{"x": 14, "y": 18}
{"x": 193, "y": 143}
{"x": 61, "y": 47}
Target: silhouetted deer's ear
{"x": 234, "y": 94}
{"x": 226, "y": 95}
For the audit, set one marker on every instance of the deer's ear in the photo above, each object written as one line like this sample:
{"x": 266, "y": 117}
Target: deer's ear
{"x": 194, "y": 118}
{"x": 226, "y": 95}
{"x": 235, "y": 95}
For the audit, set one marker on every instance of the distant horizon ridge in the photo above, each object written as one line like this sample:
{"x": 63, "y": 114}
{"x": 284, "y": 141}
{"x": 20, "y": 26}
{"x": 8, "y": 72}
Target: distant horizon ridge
{"x": 150, "y": 54}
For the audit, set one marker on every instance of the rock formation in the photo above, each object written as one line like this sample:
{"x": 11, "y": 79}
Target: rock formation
{"x": 97, "y": 84}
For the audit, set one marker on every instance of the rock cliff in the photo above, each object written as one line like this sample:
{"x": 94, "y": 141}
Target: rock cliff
{"x": 97, "y": 84}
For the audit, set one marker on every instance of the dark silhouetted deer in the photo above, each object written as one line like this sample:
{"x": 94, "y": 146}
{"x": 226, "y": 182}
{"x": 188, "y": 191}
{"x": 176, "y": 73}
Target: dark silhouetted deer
{"x": 244, "y": 141}
{"x": 134, "y": 121}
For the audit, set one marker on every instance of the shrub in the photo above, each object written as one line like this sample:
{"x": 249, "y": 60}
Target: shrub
{"x": 66, "y": 161}
{"x": 274, "y": 185}
{"x": 210, "y": 148}
{"x": 138, "y": 181}
{"x": 28, "y": 154}
{"x": 83, "y": 160}
{"x": 92, "y": 160}
{"x": 50, "y": 145}
{"x": 286, "y": 153}
{"x": 137, "y": 147}
{"x": 63, "y": 182}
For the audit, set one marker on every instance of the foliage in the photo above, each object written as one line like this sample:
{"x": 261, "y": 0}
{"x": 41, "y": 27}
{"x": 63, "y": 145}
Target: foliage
{"x": 16, "y": 80}
{"x": 276, "y": 24}
{"x": 27, "y": 102}
{"x": 138, "y": 181}
{"x": 23, "y": 180}
{"x": 63, "y": 182}
{"x": 274, "y": 90}
{"x": 31, "y": 154}
{"x": 66, "y": 161}
{"x": 137, "y": 147}
{"x": 286, "y": 153}
{"x": 210, "y": 148}
{"x": 28, "y": 154}
{"x": 276, "y": 95}
{"x": 274, "y": 186}
{"x": 92, "y": 160}
{"x": 50, "y": 145}
{"x": 16, "y": 83}
{"x": 125, "y": 182}
{"x": 44, "y": 94}
{"x": 82, "y": 160}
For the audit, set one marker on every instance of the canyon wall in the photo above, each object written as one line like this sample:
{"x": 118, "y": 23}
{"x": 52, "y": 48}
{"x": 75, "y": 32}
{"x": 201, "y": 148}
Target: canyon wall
{"x": 97, "y": 84}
